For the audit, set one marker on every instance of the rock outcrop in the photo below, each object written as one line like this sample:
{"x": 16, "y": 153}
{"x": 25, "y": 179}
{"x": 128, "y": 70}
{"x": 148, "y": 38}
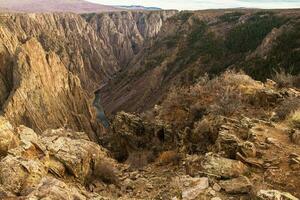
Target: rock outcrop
{"x": 40, "y": 166}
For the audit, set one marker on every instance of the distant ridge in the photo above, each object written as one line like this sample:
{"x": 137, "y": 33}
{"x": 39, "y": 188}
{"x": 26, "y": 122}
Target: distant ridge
{"x": 41, "y": 6}
{"x": 138, "y": 7}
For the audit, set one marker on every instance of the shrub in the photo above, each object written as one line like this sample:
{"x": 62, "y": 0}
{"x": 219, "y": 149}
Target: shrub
{"x": 106, "y": 172}
{"x": 228, "y": 102}
{"x": 294, "y": 119}
{"x": 221, "y": 96}
{"x": 169, "y": 157}
{"x": 284, "y": 79}
{"x": 287, "y": 107}
{"x": 200, "y": 138}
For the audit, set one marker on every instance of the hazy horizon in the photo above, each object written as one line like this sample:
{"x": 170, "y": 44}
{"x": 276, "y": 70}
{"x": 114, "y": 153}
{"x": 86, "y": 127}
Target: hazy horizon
{"x": 205, "y": 4}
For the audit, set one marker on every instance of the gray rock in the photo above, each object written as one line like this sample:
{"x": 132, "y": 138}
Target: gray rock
{"x": 223, "y": 167}
{"x": 199, "y": 185}
{"x": 238, "y": 185}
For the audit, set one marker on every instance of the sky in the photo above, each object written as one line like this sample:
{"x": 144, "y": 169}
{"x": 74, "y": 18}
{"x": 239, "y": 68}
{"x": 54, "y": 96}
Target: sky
{"x": 205, "y": 4}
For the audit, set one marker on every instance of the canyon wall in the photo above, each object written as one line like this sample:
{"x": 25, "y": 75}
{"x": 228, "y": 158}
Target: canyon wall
{"x": 50, "y": 64}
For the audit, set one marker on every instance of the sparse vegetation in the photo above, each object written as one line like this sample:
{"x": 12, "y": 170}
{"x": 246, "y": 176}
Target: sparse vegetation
{"x": 284, "y": 79}
{"x": 220, "y": 96}
{"x": 168, "y": 157}
{"x": 106, "y": 172}
{"x": 294, "y": 119}
{"x": 203, "y": 135}
{"x": 287, "y": 107}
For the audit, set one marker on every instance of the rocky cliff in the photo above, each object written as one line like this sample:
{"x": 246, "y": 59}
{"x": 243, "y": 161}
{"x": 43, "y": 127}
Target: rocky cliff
{"x": 52, "y": 63}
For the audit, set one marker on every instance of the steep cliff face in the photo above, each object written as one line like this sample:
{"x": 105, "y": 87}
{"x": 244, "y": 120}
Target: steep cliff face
{"x": 126, "y": 32}
{"x": 45, "y": 94}
{"x": 52, "y": 63}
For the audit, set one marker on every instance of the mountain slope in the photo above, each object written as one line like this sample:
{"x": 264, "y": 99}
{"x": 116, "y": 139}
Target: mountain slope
{"x": 191, "y": 44}
{"x": 39, "y": 6}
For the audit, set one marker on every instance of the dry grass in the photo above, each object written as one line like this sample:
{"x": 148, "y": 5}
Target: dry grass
{"x": 222, "y": 95}
{"x": 294, "y": 119}
{"x": 284, "y": 79}
{"x": 287, "y": 107}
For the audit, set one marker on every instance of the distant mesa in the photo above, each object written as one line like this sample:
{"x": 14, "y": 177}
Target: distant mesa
{"x": 138, "y": 7}
{"x": 44, "y": 6}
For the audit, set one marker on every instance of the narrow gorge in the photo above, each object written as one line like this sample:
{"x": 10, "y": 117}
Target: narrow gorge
{"x": 52, "y": 63}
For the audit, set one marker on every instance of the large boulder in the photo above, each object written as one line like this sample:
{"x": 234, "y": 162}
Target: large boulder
{"x": 222, "y": 167}
{"x": 238, "y": 185}
{"x": 79, "y": 157}
{"x": 132, "y": 134}
{"x": 25, "y": 165}
{"x": 190, "y": 188}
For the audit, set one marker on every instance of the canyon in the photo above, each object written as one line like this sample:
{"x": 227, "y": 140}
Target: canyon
{"x": 180, "y": 109}
{"x": 76, "y": 54}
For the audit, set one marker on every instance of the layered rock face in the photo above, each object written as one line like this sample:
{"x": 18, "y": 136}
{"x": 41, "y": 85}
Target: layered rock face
{"x": 126, "y": 32}
{"x": 52, "y": 63}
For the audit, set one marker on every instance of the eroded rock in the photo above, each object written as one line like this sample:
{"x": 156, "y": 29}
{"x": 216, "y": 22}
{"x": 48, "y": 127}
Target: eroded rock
{"x": 8, "y": 139}
{"x": 78, "y": 156}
